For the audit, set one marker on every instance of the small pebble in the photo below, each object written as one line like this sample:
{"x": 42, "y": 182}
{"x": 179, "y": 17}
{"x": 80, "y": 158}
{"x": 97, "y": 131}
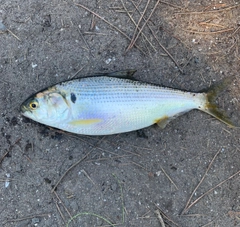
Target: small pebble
{"x": 2, "y": 27}
{"x": 34, "y": 65}
{"x": 35, "y": 221}
{"x": 114, "y": 187}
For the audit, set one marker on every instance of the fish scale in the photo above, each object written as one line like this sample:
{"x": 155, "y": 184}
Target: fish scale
{"x": 106, "y": 105}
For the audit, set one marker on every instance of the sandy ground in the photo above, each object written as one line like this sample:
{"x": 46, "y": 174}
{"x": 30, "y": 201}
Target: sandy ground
{"x": 121, "y": 179}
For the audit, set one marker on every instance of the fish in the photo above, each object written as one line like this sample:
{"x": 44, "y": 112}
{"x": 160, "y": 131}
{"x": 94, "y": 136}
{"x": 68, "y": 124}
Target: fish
{"x": 115, "y": 103}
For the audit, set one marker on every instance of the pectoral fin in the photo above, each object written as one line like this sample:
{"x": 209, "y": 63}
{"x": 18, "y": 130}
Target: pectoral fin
{"x": 84, "y": 122}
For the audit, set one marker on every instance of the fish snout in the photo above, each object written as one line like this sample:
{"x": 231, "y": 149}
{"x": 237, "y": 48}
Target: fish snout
{"x": 23, "y": 109}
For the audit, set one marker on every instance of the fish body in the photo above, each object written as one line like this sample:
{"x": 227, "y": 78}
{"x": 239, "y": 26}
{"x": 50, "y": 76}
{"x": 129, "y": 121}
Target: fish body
{"x": 103, "y": 105}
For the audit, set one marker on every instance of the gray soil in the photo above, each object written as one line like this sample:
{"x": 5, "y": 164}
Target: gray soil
{"x": 120, "y": 179}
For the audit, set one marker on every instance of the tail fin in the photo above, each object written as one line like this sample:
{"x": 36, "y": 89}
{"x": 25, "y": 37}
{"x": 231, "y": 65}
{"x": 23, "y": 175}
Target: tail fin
{"x": 211, "y": 108}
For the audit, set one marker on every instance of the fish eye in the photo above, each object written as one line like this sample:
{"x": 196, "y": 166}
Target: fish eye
{"x": 33, "y": 105}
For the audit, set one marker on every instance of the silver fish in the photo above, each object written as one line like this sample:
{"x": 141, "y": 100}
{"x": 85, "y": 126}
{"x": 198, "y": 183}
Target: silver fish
{"x": 107, "y": 104}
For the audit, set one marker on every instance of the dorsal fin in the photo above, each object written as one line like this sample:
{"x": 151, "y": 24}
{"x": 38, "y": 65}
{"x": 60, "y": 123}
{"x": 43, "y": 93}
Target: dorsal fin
{"x": 124, "y": 74}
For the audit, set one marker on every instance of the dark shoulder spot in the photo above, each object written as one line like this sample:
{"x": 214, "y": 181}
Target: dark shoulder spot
{"x": 73, "y": 97}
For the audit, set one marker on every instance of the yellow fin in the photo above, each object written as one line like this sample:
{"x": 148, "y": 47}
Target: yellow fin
{"x": 84, "y": 122}
{"x": 211, "y": 108}
{"x": 162, "y": 122}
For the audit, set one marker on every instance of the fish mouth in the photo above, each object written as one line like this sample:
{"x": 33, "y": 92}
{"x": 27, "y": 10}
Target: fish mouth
{"x": 24, "y": 109}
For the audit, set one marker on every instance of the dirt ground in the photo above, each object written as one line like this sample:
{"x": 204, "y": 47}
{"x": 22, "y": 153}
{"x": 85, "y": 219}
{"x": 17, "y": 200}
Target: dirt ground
{"x": 141, "y": 178}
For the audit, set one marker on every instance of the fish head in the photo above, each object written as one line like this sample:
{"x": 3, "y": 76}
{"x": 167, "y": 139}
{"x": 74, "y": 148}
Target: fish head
{"x": 47, "y": 107}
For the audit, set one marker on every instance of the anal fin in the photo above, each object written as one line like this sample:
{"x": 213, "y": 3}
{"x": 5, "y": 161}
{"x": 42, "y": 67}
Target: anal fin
{"x": 163, "y": 121}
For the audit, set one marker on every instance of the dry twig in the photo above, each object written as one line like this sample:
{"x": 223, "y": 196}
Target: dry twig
{"x": 236, "y": 31}
{"x": 209, "y": 223}
{"x": 210, "y": 11}
{"x": 71, "y": 167}
{"x": 84, "y": 40}
{"x": 210, "y": 33}
{"x": 169, "y": 178}
{"x": 77, "y": 72}
{"x": 234, "y": 214}
{"x": 195, "y": 201}
{"x": 165, "y": 216}
{"x": 137, "y": 27}
{"x": 25, "y": 218}
{"x": 75, "y": 164}
{"x": 172, "y": 5}
{"x": 205, "y": 23}
{"x": 120, "y": 31}
{"x": 13, "y": 35}
{"x": 135, "y": 39}
{"x": 60, "y": 212}
{"x": 94, "y": 33}
{"x": 86, "y": 174}
{"x": 209, "y": 166}
{"x": 62, "y": 204}
{"x": 113, "y": 158}
{"x": 187, "y": 207}
{"x": 164, "y": 49}
{"x": 157, "y": 212}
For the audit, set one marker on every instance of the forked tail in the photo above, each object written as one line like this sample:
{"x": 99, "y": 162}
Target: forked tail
{"x": 211, "y": 108}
